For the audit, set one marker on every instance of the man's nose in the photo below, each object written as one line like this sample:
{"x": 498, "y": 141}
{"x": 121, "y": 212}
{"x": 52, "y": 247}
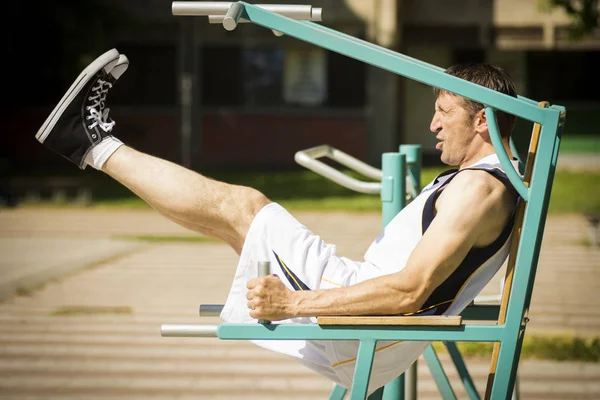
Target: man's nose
{"x": 436, "y": 124}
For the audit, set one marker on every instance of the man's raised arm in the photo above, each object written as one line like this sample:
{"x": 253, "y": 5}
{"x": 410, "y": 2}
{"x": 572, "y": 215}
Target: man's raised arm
{"x": 471, "y": 211}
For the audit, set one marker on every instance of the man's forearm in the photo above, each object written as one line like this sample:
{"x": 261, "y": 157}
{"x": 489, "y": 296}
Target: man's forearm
{"x": 371, "y": 297}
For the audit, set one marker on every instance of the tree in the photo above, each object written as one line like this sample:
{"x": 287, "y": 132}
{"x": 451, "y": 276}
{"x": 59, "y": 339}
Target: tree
{"x": 584, "y": 13}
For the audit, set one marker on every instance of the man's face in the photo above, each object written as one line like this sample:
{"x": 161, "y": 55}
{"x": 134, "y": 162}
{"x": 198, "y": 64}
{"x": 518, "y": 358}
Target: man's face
{"x": 454, "y": 127}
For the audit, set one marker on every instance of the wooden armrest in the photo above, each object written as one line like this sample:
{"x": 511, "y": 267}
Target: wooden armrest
{"x": 433, "y": 320}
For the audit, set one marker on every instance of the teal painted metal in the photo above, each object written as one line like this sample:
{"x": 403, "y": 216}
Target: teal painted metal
{"x": 438, "y": 373}
{"x": 395, "y": 62}
{"x": 393, "y": 187}
{"x": 362, "y": 371}
{"x": 338, "y": 393}
{"x": 529, "y": 248}
{"x": 395, "y": 389}
{"x": 510, "y": 333}
{"x": 465, "y": 333}
{"x": 514, "y": 177}
{"x": 414, "y": 163}
{"x": 516, "y": 155}
{"x": 394, "y": 168}
{"x": 461, "y": 368}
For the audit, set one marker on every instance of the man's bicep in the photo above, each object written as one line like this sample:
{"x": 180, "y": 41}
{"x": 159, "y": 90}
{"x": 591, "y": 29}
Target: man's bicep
{"x": 450, "y": 236}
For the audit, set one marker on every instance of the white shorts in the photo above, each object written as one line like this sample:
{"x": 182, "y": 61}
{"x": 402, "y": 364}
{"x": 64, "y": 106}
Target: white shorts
{"x": 305, "y": 262}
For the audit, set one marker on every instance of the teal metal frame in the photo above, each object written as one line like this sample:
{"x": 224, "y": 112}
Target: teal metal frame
{"x": 509, "y": 334}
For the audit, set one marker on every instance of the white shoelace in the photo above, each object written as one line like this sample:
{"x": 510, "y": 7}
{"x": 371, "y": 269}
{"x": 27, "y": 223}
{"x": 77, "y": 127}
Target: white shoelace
{"x": 99, "y": 114}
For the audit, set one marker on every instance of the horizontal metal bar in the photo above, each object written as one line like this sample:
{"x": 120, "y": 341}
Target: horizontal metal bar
{"x": 210, "y": 310}
{"x": 188, "y": 330}
{"x": 218, "y": 19}
{"x": 308, "y": 159}
{"x": 220, "y": 8}
{"x": 465, "y": 333}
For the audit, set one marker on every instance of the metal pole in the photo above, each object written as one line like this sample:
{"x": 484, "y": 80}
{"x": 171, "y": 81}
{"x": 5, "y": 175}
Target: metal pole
{"x": 188, "y": 90}
{"x": 393, "y": 199}
{"x": 393, "y": 185}
{"x": 413, "y": 161}
{"x": 264, "y": 269}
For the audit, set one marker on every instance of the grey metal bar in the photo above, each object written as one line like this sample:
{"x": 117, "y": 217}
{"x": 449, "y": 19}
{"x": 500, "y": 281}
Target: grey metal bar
{"x": 220, "y": 8}
{"x": 210, "y": 310}
{"x": 411, "y": 382}
{"x": 264, "y": 269}
{"x": 188, "y": 330}
{"x": 308, "y": 159}
{"x": 232, "y": 17}
{"x": 218, "y": 19}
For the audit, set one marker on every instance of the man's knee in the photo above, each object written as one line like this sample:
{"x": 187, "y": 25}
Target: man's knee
{"x": 247, "y": 203}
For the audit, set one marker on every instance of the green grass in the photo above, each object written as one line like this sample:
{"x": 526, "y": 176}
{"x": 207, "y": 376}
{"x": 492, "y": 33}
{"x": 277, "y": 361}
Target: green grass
{"x": 580, "y": 144}
{"x": 573, "y": 192}
{"x": 546, "y": 347}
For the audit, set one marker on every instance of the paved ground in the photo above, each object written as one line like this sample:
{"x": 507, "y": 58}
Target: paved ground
{"x": 94, "y": 332}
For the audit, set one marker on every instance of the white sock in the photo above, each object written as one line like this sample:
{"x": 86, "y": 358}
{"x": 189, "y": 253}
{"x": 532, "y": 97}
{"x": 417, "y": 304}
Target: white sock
{"x": 102, "y": 151}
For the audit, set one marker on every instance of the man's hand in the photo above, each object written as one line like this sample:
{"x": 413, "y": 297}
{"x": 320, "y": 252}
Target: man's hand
{"x": 269, "y": 299}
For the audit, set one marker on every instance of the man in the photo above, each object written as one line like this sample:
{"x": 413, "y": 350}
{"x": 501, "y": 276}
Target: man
{"x": 433, "y": 258}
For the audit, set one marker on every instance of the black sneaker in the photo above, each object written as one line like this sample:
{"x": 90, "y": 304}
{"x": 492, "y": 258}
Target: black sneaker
{"x": 80, "y": 120}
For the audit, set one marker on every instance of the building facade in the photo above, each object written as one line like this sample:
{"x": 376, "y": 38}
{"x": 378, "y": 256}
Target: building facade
{"x": 208, "y": 98}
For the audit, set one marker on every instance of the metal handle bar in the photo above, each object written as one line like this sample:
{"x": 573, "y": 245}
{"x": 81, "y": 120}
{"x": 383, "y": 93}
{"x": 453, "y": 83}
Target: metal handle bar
{"x": 220, "y": 8}
{"x": 309, "y": 159}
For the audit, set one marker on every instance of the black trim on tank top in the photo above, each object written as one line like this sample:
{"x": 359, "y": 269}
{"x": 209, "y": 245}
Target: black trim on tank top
{"x": 443, "y": 296}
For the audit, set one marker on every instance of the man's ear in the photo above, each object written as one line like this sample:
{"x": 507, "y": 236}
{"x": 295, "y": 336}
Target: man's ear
{"x": 480, "y": 123}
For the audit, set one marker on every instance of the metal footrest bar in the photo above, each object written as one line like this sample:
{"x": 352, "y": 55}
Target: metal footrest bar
{"x": 188, "y": 330}
{"x": 210, "y": 310}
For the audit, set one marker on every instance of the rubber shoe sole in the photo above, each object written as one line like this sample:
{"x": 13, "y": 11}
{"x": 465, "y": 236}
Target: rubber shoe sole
{"x": 106, "y": 61}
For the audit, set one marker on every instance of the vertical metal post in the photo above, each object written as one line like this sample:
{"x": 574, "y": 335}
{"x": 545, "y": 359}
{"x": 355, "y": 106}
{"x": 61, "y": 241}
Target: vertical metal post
{"x": 413, "y": 162}
{"x": 393, "y": 185}
{"x": 393, "y": 199}
{"x": 188, "y": 90}
{"x": 362, "y": 371}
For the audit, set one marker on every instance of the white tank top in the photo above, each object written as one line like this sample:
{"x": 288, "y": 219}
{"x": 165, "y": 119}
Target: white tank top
{"x": 390, "y": 251}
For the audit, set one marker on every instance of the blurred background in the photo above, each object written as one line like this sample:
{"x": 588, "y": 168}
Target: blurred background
{"x": 89, "y": 271}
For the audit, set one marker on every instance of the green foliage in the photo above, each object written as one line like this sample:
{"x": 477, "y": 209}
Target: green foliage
{"x": 585, "y": 15}
{"x": 546, "y": 347}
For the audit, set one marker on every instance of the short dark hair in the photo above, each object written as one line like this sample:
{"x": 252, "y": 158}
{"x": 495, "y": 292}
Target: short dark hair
{"x": 491, "y": 77}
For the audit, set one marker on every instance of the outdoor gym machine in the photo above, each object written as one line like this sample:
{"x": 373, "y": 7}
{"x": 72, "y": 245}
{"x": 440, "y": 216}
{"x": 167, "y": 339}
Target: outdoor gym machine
{"x": 506, "y": 323}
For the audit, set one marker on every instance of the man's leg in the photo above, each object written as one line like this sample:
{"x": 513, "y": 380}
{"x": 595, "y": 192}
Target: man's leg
{"x": 199, "y": 203}
{"x": 80, "y": 129}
